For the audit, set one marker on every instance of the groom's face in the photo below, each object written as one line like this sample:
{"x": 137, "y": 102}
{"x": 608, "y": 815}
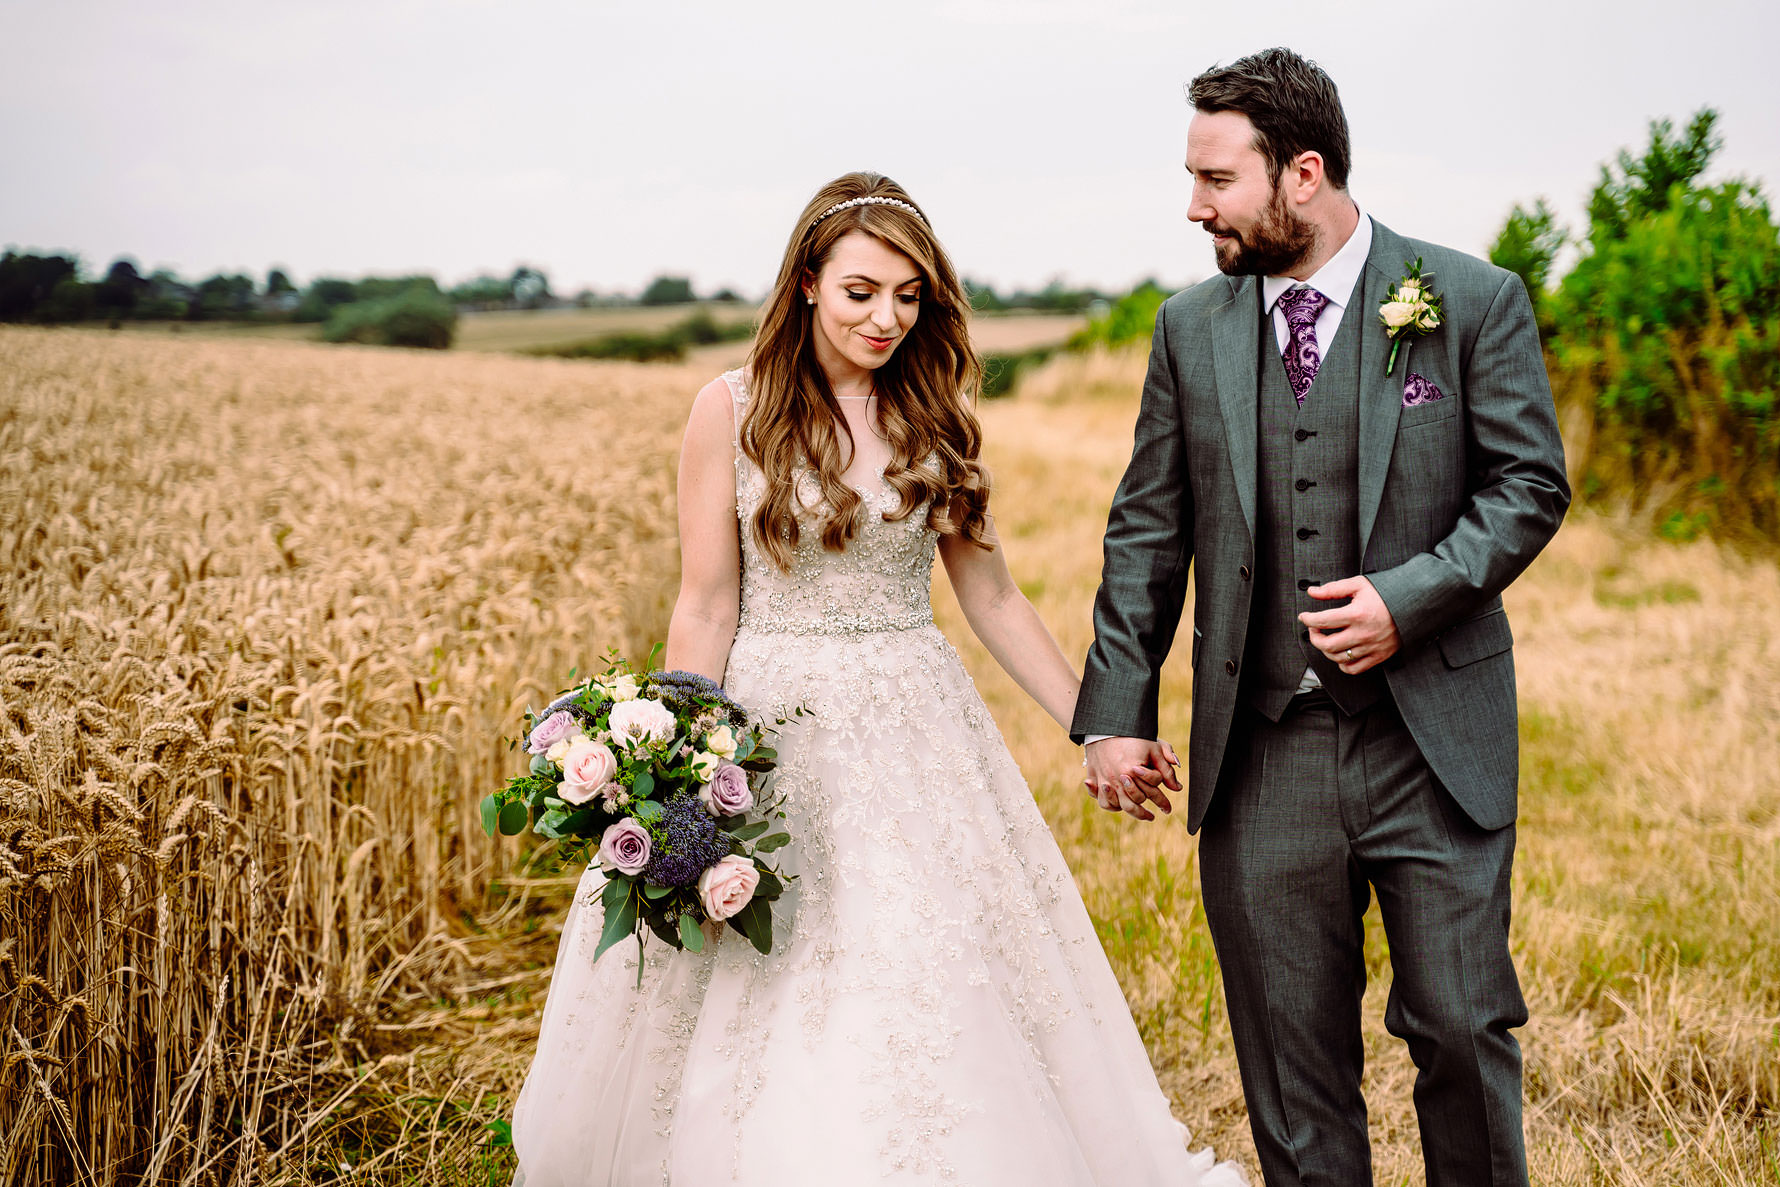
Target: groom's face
{"x": 1254, "y": 229}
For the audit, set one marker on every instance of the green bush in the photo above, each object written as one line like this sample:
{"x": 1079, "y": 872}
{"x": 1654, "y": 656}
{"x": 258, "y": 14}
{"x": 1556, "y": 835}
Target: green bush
{"x": 412, "y": 318}
{"x": 667, "y": 346}
{"x": 1664, "y": 340}
{"x": 1132, "y": 318}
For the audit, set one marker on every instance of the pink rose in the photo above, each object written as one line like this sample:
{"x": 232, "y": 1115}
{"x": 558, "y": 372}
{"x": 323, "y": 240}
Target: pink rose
{"x": 728, "y": 886}
{"x": 625, "y": 847}
{"x": 551, "y": 730}
{"x": 728, "y": 793}
{"x": 586, "y": 768}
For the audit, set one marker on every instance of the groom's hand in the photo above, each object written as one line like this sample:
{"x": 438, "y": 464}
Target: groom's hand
{"x": 1125, "y": 773}
{"x": 1357, "y": 636}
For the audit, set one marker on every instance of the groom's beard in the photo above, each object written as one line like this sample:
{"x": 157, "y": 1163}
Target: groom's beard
{"x": 1277, "y": 243}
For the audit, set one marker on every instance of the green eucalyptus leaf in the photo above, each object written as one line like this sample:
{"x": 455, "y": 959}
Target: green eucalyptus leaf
{"x": 648, "y": 810}
{"x": 770, "y": 887}
{"x": 619, "y": 923}
{"x": 691, "y": 935}
{"x": 491, "y": 814}
{"x": 512, "y": 818}
{"x": 541, "y": 765}
{"x": 653, "y": 891}
{"x": 748, "y": 832}
{"x": 768, "y": 844}
{"x": 642, "y": 785}
{"x": 756, "y": 922}
{"x": 582, "y": 822}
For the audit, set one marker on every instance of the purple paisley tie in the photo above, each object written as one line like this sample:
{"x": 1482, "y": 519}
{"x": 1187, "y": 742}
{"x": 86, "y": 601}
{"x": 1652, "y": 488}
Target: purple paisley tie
{"x": 1301, "y": 307}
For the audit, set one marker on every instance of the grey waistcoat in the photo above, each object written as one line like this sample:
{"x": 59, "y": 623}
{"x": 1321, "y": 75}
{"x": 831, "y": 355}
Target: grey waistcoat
{"x": 1306, "y": 521}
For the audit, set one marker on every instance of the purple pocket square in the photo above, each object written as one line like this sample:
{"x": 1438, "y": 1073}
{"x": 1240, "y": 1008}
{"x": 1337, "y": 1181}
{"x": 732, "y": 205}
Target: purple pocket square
{"x": 1417, "y": 390}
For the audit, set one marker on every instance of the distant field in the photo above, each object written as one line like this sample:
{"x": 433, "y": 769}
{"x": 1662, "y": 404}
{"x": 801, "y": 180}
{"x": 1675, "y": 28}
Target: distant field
{"x": 516, "y": 330}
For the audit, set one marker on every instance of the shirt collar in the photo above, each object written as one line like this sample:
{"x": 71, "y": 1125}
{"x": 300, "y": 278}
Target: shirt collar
{"x": 1335, "y": 279}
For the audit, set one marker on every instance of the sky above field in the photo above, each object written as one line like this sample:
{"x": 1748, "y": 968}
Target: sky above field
{"x": 607, "y": 143}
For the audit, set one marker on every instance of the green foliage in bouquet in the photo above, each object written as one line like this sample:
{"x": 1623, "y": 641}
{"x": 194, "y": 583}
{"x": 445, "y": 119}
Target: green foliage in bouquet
{"x": 660, "y": 776}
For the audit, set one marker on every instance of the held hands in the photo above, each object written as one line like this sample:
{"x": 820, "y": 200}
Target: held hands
{"x": 1357, "y": 636}
{"x": 1125, "y": 773}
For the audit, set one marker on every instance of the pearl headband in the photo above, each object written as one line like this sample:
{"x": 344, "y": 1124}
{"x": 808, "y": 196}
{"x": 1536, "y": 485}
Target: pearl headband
{"x": 869, "y": 200}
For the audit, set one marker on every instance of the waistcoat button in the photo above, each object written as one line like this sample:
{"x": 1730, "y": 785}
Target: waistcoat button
{"x": 1230, "y": 667}
{"x": 1307, "y": 533}
{"x": 1303, "y": 484}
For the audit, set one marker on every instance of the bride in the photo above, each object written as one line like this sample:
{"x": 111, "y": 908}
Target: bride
{"x": 936, "y": 1007}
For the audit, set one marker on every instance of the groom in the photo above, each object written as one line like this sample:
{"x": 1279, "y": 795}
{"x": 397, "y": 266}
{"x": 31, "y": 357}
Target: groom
{"x": 1351, "y": 505}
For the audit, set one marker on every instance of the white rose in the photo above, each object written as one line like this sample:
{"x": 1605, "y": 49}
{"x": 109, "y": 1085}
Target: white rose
{"x": 1411, "y": 290}
{"x": 721, "y": 742}
{"x": 622, "y": 687}
{"x": 561, "y": 748}
{"x": 1397, "y": 314}
{"x": 641, "y": 722}
{"x": 704, "y": 765}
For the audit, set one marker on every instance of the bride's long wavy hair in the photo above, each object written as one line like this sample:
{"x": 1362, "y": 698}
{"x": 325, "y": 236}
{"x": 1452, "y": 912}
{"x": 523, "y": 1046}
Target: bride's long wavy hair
{"x": 925, "y": 390}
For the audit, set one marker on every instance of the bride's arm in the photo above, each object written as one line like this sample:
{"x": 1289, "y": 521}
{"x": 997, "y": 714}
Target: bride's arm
{"x": 705, "y": 613}
{"x": 1003, "y": 618}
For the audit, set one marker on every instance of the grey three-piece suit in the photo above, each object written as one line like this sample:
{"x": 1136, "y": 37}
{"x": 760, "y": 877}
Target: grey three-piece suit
{"x": 1439, "y": 482}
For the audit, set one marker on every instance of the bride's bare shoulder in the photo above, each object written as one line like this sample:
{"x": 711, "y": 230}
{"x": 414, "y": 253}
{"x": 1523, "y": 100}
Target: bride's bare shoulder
{"x": 711, "y": 424}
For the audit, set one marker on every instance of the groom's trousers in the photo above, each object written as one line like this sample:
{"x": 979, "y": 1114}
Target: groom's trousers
{"x": 1312, "y": 813}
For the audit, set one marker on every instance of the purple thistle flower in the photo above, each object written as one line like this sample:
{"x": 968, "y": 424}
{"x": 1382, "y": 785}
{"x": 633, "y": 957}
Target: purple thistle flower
{"x": 688, "y": 842}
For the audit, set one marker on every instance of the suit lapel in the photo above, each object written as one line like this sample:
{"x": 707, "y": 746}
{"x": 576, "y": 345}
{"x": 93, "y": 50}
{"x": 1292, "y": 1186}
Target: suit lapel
{"x": 1235, "y": 345}
{"x": 1381, "y": 395}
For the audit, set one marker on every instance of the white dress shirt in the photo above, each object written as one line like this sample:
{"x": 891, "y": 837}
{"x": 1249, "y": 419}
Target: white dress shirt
{"x": 1337, "y": 280}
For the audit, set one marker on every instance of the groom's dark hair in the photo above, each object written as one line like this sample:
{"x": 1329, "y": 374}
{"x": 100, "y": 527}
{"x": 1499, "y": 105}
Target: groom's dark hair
{"x": 1290, "y": 101}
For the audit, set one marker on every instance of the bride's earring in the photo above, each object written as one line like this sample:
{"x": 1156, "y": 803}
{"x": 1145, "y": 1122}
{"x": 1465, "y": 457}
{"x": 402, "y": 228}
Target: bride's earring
{"x": 809, "y": 300}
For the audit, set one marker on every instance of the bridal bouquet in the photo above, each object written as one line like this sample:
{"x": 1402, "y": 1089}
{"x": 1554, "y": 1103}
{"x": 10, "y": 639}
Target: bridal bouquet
{"x": 659, "y": 774}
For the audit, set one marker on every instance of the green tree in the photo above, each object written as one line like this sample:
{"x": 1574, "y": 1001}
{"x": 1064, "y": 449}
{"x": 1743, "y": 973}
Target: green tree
{"x": 123, "y": 287}
{"x": 1527, "y": 246}
{"x": 27, "y": 281}
{"x": 323, "y": 296}
{"x": 669, "y": 290}
{"x": 277, "y": 283}
{"x": 1665, "y": 339}
{"x": 1647, "y": 184}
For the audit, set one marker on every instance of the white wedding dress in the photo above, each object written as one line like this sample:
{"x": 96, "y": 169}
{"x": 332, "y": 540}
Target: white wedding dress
{"x": 936, "y": 1007}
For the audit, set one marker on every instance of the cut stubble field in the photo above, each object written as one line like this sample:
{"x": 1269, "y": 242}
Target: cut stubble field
{"x": 267, "y": 611}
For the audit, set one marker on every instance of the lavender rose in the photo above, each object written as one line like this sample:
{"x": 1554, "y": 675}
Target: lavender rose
{"x": 641, "y": 722}
{"x": 625, "y": 847}
{"x": 728, "y": 886}
{"x": 728, "y": 793}
{"x": 550, "y": 731}
{"x": 586, "y": 769}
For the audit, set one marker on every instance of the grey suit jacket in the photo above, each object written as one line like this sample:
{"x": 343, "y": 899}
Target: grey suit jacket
{"x": 1456, "y": 497}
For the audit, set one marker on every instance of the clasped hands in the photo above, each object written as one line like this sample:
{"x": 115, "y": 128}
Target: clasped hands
{"x": 1133, "y": 774}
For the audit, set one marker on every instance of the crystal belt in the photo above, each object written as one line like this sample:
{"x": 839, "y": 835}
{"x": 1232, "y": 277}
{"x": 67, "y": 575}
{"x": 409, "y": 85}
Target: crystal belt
{"x": 834, "y": 624}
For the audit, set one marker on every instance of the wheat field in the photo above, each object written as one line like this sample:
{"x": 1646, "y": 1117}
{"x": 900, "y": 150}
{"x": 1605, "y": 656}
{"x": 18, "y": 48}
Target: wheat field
{"x": 268, "y": 610}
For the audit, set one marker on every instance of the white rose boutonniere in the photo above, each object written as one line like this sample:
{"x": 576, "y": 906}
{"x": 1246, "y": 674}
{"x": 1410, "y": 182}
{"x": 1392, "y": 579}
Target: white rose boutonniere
{"x": 1412, "y": 307}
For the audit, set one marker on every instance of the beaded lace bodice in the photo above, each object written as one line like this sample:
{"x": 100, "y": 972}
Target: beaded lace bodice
{"x": 881, "y": 581}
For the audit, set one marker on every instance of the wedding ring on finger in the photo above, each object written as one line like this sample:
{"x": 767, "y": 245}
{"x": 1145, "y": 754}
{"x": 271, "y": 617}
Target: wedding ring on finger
{"x": 1350, "y": 655}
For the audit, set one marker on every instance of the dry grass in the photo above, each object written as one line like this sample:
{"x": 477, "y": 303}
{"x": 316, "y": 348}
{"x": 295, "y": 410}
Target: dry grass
{"x": 266, "y": 609}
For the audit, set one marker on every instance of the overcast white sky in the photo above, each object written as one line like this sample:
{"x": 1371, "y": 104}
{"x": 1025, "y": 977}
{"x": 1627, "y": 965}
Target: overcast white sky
{"x": 608, "y": 142}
